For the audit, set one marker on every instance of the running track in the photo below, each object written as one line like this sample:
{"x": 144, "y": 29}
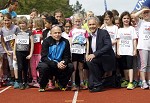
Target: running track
{"x": 31, "y": 95}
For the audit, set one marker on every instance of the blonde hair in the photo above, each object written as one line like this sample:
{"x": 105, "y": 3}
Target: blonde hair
{"x": 22, "y": 19}
{"x": 77, "y": 16}
{"x": 38, "y": 23}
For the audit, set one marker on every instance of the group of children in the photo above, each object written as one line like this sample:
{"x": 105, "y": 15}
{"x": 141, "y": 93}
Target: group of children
{"x": 21, "y": 41}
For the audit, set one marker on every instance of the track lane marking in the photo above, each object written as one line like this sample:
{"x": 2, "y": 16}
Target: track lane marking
{"x": 4, "y": 89}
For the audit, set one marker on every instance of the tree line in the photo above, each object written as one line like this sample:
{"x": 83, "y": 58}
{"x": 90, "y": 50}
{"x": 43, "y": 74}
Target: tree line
{"x": 49, "y": 6}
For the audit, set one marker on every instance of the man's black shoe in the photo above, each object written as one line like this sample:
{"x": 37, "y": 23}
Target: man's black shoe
{"x": 96, "y": 89}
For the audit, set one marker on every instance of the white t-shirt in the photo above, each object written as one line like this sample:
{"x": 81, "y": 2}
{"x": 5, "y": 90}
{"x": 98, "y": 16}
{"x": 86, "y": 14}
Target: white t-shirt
{"x": 78, "y": 40}
{"x": 126, "y": 36}
{"x": 65, "y": 35}
{"x": 113, "y": 31}
{"x": 144, "y": 35}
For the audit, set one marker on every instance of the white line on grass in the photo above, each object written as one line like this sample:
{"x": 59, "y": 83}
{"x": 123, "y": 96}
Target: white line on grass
{"x": 75, "y": 97}
{"x": 5, "y": 89}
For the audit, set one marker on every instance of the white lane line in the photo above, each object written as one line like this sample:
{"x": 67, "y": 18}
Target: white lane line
{"x": 75, "y": 97}
{"x": 5, "y": 89}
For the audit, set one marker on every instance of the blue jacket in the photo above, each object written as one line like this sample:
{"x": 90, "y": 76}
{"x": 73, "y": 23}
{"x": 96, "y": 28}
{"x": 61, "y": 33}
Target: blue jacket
{"x": 52, "y": 53}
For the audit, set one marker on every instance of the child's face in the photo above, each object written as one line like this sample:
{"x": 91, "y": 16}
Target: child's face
{"x": 117, "y": 23}
{"x": 14, "y": 6}
{"x": 59, "y": 17}
{"x": 133, "y": 20}
{"x": 126, "y": 20}
{"x": 146, "y": 15}
{"x": 33, "y": 15}
{"x": 77, "y": 22}
{"x": 90, "y": 15}
{"x": 107, "y": 20}
{"x": 48, "y": 25}
{"x": 7, "y": 22}
{"x": 67, "y": 28}
{"x": 23, "y": 25}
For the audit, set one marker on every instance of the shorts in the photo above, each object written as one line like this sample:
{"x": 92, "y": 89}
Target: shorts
{"x": 126, "y": 62}
{"x": 78, "y": 57}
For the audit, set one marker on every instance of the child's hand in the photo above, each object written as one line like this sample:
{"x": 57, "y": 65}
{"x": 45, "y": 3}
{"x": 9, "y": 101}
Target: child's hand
{"x": 14, "y": 58}
{"x": 29, "y": 56}
{"x": 9, "y": 53}
{"x": 134, "y": 53}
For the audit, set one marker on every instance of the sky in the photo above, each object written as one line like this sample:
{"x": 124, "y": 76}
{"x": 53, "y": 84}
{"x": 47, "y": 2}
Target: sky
{"x": 97, "y": 6}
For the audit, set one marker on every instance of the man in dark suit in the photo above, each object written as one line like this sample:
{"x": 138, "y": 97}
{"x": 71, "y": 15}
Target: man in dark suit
{"x": 101, "y": 58}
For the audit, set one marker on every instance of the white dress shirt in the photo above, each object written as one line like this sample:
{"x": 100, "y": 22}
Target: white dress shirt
{"x": 93, "y": 45}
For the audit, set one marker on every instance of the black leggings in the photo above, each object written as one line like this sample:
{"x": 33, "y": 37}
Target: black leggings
{"x": 22, "y": 65}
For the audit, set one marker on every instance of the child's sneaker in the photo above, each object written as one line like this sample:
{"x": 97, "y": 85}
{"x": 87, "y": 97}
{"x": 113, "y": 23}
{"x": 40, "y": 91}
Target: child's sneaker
{"x": 144, "y": 85}
{"x": 34, "y": 83}
{"x": 16, "y": 85}
{"x": 26, "y": 86}
{"x": 130, "y": 86}
{"x": 51, "y": 86}
{"x": 84, "y": 87}
{"x": 124, "y": 83}
{"x": 41, "y": 89}
{"x": 69, "y": 84}
{"x": 74, "y": 88}
{"x": 135, "y": 83}
{"x": 86, "y": 83}
{"x": 22, "y": 86}
{"x": 140, "y": 83}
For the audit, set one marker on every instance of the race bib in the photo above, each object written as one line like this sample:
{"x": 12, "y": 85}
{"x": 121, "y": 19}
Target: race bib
{"x": 78, "y": 49}
{"x": 9, "y": 37}
{"x": 125, "y": 43}
{"x": 23, "y": 38}
{"x": 36, "y": 38}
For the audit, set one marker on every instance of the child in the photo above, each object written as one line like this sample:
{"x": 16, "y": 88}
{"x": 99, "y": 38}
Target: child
{"x": 79, "y": 46}
{"x": 23, "y": 49}
{"x": 143, "y": 45}
{"x": 49, "y": 22}
{"x": 117, "y": 23}
{"x": 1, "y": 54}
{"x": 88, "y": 14}
{"x": 112, "y": 30}
{"x": 136, "y": 59}
{"x": 67, "y": 27}
{"x": 58, "y": 14}
{"x": 34, "y": 13}
{"x": 37, "y": 37}
{"x": 8, "y": 33}
{"x": 126, "y": 48}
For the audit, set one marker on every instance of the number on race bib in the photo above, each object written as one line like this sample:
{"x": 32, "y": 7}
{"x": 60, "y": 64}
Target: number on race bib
{"x": 9, "y": 37}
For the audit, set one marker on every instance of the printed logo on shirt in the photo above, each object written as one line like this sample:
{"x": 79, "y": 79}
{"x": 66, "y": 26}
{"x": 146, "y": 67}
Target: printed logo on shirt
{"x": 146, "y": 33}
{"x": 36, "y": 38}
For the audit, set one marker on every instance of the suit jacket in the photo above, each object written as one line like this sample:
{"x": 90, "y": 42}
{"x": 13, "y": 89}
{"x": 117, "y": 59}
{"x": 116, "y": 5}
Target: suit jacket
{"x": 104, "y": 52}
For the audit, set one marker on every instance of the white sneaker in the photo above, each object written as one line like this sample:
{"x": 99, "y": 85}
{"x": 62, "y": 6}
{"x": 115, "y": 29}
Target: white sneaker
{"x": 34, "y": 84}
{"x": 144, "y": 85}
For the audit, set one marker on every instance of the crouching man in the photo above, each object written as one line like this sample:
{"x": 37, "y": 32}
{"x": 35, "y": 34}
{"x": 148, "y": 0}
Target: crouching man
{"x": 55, "y": 60}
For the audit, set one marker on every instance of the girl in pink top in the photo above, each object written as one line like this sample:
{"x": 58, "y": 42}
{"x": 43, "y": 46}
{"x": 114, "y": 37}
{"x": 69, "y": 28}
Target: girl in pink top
{"x": 37, "y": 37}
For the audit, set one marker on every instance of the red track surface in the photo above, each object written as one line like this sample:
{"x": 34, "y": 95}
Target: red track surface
{"x": 56, "y": 96}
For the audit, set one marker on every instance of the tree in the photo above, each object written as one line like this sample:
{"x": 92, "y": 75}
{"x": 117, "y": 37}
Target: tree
{"x": 78, "y": 8}
{"x": 25, "y": 6}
